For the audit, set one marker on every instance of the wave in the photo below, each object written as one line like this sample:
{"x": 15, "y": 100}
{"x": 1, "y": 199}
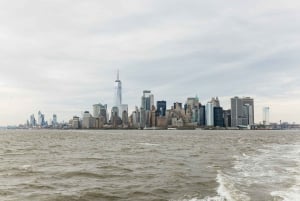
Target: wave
{"x": 275, "y": 166}
{"x": 226, "y": 191}
{"x": 88, "y": 175}
{"x": 148, "y": 144}
{"x": 292, "y": 193}
{"x": 227, "y": 188}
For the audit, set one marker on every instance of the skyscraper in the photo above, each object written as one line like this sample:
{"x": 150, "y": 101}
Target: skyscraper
{"x": 218, "y": 117}
{"x": 100, "y": 110}
{"x": 242, "y": 111}
{"x": 215, "y": 102}
{"x": 147, "y": 100}
{"x": 118, "y": 91}
{"x": 54, "y": 121}
{"x": 236, "y": 111}
{"x": 209, "y": 112}
{"x": 201, "y": 120}
{"x": 249, "y": 102}
{"x": 41, "y": 119}
{"x": 32, "y": 121}
{"x": 161, "y": 107}
{"x": 266, "y": 116}
{"x": 227, "y": 118}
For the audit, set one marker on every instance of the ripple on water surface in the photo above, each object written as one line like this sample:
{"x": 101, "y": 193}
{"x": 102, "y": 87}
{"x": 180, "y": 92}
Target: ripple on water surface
{"x": 44, "y": 165}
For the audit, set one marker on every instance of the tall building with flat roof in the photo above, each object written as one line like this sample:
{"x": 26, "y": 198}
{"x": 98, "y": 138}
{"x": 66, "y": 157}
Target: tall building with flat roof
{"x": 209, "y": 112}
{"x": 147, "y": 100}
{"x": 236, "y": 111}
{"x": 161, "y": 108}
{"x": 266, "y": 116}
{"x": 227, "y": 118}
{"x": 100, "y": 110}
{"x": 123, "y": 108}
{"x": 202, "y": 116}
{"x": 215, "y": 101}
{"x": 218, "y": 117}
{"x": 249, "y": 102}
{"x": 242, "y": 111}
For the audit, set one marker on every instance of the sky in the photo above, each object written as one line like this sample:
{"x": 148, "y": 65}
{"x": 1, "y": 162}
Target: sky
{"x": 62, "y": 56}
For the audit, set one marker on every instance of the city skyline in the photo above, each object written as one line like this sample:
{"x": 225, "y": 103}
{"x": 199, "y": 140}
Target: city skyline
{"x": 61, "y": 57}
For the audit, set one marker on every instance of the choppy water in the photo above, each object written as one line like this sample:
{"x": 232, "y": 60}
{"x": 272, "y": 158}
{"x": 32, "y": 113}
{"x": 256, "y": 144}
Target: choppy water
{"x": 150, "y": 165}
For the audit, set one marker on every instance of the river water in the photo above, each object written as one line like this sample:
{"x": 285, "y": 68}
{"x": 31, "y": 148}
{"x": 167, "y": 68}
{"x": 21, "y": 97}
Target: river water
{"x": 46, "y": 165}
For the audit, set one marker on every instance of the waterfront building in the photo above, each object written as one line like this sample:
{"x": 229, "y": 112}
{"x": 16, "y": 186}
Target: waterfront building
{"x": 192, "y": 102}
{"x": 242, "y": 111}
{"x": 75, "y": 122}
{"x": 118, "y": 102}
{"x": 161, "y": 108}
{"x": 218, "y": 117}
{"x": 88, "y": 121}
{"x": 191, "y": 110}
{"x": 236, "y": 111}
{"x": 32, "y": 121}
{"x": 266, "y": 116}
{"x": 147, "y": 100}
{"x": 249, "y": 102}
{"x": 118, "y": 91}
{"x": 202, "y": 115}
{"x": 100, "y": 110}
{"x": 162, "y": 122}
{"x": 142, "y": 118}
{"x": 41, "y": 119}
{"x": 247, "y": 115}
{"x": 209, "y": 112}
{"x": 227, "y": 118}
{"x": 215, "y": 102}
{"x": 177, "y": 106}
{"x": 136, "y": 118}
{"x": 114, "y": 117}
{"x": 125, "y": 120}
{"x": 123, "y": 108}
{"x": 153, "y": 116}
{"x": 177, "y": 122}
{"x": 54, "y": 120}
{"x": 195, "y": 116}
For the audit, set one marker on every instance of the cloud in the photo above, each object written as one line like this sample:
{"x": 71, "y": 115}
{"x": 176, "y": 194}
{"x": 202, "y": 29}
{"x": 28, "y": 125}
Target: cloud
{"x": 62, "y": 56}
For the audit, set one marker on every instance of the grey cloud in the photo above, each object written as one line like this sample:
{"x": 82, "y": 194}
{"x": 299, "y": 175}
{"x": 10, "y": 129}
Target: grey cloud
{"x": 64, "y": 54}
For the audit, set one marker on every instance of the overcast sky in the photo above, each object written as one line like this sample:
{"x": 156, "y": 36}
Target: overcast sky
{"x": 61, "y": 56}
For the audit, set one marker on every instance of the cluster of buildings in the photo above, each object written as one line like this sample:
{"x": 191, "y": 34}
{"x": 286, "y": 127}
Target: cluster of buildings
{"x": 41, "y": 122}
{"x": 156, "y": 115}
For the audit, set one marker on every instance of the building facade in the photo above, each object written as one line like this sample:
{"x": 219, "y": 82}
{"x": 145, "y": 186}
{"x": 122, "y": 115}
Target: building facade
{"x": 266, "y": 116}
{"x": 218, "y": 117}
{"x": 118, "y": 91}
{"x": 161, "y": 108}
{"x": 242, "y": 111}
{"x": 202, "y": 116}
{"x": 209, "y": 112}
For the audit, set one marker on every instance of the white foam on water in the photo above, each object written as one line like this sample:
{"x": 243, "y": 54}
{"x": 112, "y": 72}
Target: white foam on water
{"x": 292, "y": 193}
{"x": 227, "y": 188}
{"x": 216, "y": 198}
{"x": 275, "y": 166}
{"x": 26, "y": 167}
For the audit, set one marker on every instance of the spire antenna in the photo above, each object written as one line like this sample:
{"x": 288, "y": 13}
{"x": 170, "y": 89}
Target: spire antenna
{"x": 118, "y": 75}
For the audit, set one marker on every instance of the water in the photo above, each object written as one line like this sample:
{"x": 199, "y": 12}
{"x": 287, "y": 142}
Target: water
{"x": 43, "y": 165}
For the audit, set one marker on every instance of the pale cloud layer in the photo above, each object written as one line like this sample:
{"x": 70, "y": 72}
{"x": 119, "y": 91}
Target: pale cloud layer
{"x": 61, "y": 56}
